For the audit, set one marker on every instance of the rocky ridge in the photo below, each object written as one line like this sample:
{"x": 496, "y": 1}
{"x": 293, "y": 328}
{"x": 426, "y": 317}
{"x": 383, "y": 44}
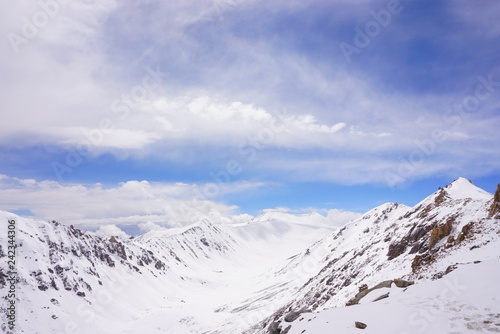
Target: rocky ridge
{"x": 409, "y": 243}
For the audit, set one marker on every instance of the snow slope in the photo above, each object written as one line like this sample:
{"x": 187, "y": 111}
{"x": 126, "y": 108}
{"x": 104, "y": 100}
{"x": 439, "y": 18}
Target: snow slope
{"x": 200, "y": 278}
{"x": 465, "y": 301}
{"x": 239, "y": 278}
{"x": 396, "y": 242}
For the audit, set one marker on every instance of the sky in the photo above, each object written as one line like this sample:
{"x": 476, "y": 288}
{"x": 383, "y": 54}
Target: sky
{"x": 140, "y": 113}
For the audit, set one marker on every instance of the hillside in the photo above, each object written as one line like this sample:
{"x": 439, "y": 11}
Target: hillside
{"x": 446, "y": 230}
{"x": 249, "y": 277}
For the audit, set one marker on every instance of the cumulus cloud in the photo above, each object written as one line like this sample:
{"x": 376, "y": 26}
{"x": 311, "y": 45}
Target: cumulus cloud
{"x": 277, "y": 209}
{"x": 149, "y": 204}
{"x": 146, "y": 79}
{"x": 482, "y": 17}
{"x": 149, "y": 226}
{"x": 111, "y": 230}
{"x": 342, "y": 217}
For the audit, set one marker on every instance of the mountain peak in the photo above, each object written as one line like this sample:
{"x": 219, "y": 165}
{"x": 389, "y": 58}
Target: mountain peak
{"x": 463, "y": 188}
{"x": 461, "y": 180}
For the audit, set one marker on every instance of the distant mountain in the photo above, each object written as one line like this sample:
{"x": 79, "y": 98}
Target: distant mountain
{"x": 68, "y": 277}
{"x": 210, "y": 278}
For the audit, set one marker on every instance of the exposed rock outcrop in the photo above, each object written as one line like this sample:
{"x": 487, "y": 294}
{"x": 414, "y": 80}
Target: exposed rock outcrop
{"x": 364, "y": 290}
{"x": 440, "y": 232}
{"x": 401, "y": 283}
{"x": 294, "y": 315}
{"x": 384, "y": 296}
{"x": 495, "y": 206}
{"x": 412, "y": 242}
{"x": 274, "y": 328}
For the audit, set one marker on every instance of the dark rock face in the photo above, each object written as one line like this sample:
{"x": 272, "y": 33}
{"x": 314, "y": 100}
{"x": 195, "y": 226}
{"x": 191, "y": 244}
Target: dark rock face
{"x": 396, "y": 249}
{"x": 440, "y": 232}
{"x": 294, "y": 315}
{"x": 495, "y": 206}
{"x": 90, "y": 250}
{"x": 205, "y": 242}
{"x": 466, "y": 233}
{"x": 274, "y": 328}
{"x": 414, "y": 238}
{"x": 285, "y": 331}
{"x": 420, "y": 261}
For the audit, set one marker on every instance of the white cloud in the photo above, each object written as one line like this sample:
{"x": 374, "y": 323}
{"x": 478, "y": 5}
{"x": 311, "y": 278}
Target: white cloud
{"x": 68, "y": 78}
{"x": 277, "y": 209}
{"x": 342, "y": 217}
{"x": 334, "y": 217}
{"x": 242, "y": 218}
{"x": 149, "y": 226}
{"x": 111, "y": 230}
{"x": 72, "y": 87}
{"x": 482, "y": 17}
{"x": 129, "y": 203}
{"x": 123, "y": 139}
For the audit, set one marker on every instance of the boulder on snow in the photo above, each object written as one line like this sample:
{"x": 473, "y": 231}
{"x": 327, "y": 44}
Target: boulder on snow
{"x": 360, "y": 325}
{"x": 364, "y": 292}
{"x": 401, "y": 283}
{"x": 358, "y": 297}
{"x": 363, "y": 288}
{"x": 384, "y": 284}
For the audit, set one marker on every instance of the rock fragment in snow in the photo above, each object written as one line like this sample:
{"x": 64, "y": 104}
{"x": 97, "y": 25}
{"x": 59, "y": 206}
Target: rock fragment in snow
{"x": 401, "y": 283}
{"x": 360, "y": 325}
{"x": 385, "y": 295}
{"x": 384, "y": 284}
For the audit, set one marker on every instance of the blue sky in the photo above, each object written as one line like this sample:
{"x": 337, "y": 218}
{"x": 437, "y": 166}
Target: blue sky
{"x": 122, "y": 112}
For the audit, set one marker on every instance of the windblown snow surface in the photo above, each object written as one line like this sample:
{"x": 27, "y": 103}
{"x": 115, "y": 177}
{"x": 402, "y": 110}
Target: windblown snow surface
{"x": 243, "y": 278}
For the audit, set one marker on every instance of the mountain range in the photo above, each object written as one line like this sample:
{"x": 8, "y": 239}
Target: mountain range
{"x": 430, "y": 268}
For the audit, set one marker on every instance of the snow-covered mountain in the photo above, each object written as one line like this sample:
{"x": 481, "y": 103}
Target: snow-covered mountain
{"x": 450, "y": 229}
{"x": 195, "y": 279}
{"x": 209, "y": 278}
